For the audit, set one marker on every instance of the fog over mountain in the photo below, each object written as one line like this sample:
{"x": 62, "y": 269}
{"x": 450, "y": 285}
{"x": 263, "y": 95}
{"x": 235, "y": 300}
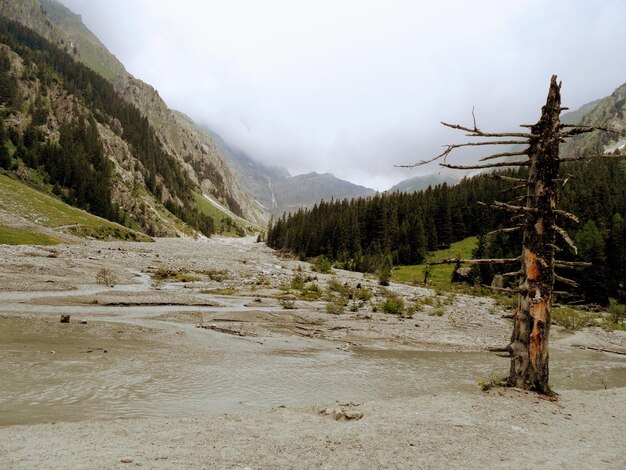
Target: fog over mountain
{"x": 354, "y": 87}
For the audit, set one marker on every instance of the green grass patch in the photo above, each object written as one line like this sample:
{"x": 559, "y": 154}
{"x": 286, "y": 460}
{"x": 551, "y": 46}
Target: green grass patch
{"x": 222, "y": 291}
{"x": 20, "y": 236}
{"x": 440, "y": 275}
{"x": 23, "y": 201}
{"x": 223, "y": 223}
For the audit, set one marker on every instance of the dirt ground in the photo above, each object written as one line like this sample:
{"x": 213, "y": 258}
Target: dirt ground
{"x": 238, "y": 288}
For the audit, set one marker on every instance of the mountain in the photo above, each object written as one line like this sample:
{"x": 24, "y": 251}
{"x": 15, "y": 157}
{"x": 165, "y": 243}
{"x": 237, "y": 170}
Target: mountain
{"x": 178, "y": 136}
{"x": 280, "y": 192}
{"x": 417, "y": 183}
{"x": 294, "y": 192}
{"x": 608, "y": 112}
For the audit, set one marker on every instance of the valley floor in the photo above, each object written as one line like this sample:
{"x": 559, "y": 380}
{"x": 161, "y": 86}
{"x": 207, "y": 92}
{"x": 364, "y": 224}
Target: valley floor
{"x": 133, "y": 379}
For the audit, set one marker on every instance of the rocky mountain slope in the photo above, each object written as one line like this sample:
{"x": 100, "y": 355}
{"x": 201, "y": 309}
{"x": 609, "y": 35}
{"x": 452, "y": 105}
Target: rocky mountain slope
{"x": 280, "y": 192}
{"x": 417, "y": 183}
{"x": 180, "y": 138}
{"x": 608, "y": 112}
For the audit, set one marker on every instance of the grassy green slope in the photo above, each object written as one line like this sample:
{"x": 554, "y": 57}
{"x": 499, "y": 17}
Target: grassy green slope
{"x": 238, "y": 227}
{"x": 24, "y": 236}
{"x": 439, "y": 275}
{"x": 21, "y": 200}
{"x": 92, "y": 52}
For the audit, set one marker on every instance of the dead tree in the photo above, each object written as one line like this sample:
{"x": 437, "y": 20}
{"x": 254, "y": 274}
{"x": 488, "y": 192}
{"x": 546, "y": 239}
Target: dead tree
{"x": 540, "y": 220}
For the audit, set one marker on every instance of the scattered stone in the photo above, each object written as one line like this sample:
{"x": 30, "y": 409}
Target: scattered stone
{"x": 498, "y": 281}
{"x": 461, "y": 275}
{"x": 126, "y": 460}
{"x": 83, "y": 322}
{"x": 352, "y": 415}
{"x": 65, "y": 318}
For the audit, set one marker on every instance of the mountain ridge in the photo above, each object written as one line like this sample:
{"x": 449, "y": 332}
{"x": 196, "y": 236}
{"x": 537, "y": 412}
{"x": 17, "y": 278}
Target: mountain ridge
{"x": 66, "y": 30}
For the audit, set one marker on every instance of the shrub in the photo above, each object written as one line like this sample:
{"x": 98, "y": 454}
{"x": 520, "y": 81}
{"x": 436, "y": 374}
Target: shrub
{"x": 311, "y": 293}
{"x": 617, "y": 312}
{"x": 287, "y": 303}
{"x": 572, "y": 319}
{"x": 384, "y": 272}
{"x": 335, "y": 307}
{"x": 223, "y": 291}
{"x": 363, "y": 293}
{"x": 321, "y": 264}
{"x": 106, "y": 277}
{"x": 438, "y": 312}
{"x": 217, "y": 275}
{"x": 163, "y": 273}
{"x": 393, "y": 305}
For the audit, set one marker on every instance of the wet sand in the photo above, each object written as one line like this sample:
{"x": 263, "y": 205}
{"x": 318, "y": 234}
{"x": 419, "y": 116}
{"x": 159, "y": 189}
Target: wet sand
{"x": 159, "y": 369}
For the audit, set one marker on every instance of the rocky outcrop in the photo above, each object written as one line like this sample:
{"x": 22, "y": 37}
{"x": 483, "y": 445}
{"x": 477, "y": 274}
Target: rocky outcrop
{"x": 178, "y": 134}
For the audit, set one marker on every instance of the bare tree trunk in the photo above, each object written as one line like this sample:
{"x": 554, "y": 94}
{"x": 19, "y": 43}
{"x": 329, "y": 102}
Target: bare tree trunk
{"x": 529, "y": 341}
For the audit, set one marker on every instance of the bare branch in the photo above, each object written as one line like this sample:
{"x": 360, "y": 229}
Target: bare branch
{"x": 504, "y": 230}
{"x": 504, "y": 154}
{"x": 565, "y": 236}
{"x": 513, "y": 274}
{"x": 511, "y": 208}
{"x": 497, "y": 176}
{"x": 591, "y": 129}
{"x": 567, "y": 215}
{"x": 474, "y": 119}
{"x": 571, "y": 264}
{"x": 479, "y": 167}
{"x": 476, "y": 261}
{"x": 557, "y": 249}
{"x": 565, "y": 280}
{"x": 591, "y": 157}
{"x": 478, "y": 133}
{"x": 514, "y": 188}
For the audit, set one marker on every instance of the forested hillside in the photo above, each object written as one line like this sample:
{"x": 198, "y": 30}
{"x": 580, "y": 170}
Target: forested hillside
{"x": 57, "y": 118}
{"x": 361, "y": 233}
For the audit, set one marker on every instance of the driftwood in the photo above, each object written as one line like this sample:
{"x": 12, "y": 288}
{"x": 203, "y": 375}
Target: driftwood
{"x": 228, "y": 331}
{"x": 593, "y": 348}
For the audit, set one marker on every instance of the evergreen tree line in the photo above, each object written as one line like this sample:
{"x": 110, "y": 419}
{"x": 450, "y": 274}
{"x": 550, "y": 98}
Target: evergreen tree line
{"x": 362, "y": 233}
{"x": 46, "y": 62}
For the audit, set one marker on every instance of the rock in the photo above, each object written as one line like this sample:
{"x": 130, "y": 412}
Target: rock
{"x": 498, "y": 281}
{"x": 83, "y": 322}
{"x": 461, "y": 275}
{"x": 352, "y": 415}
{"x": 126, "y": 460}
{"x": 65, "y": 318}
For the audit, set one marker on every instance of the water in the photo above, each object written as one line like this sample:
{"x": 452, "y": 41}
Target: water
{"x": 218, "y": 373}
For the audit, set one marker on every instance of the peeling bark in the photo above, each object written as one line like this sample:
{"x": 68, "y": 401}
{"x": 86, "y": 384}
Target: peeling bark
{"x": 531, "y": 330}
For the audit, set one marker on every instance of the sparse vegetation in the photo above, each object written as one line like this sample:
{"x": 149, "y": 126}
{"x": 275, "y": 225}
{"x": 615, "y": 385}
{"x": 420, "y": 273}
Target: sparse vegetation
{"x": 572, "y": 319}
{"x": 335, "y": 307}
{"x": 106, "y": 277}
{"x": 220, "y": 291}
{"x": 617, "y": 312}
{"x": 18, "y": 198}
{"x": 217, "y": 275}
{"x": 393, "y": 305}
{"x": 287, "y": 302}
{"x": 322, "y": 265}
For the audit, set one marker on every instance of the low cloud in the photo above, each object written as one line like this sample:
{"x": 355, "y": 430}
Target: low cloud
{"x": 354, "y": 87}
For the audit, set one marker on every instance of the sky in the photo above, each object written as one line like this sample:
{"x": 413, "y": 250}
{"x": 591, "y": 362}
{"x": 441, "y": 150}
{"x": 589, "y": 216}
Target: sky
{"x": 354, "y": 87}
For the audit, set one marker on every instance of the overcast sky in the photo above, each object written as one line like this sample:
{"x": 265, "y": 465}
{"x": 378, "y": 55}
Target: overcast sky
{"x": 353, "y": 87}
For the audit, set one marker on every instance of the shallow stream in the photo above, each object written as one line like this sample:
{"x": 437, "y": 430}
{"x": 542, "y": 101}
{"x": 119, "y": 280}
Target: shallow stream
{"x": 46, "y": 375}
